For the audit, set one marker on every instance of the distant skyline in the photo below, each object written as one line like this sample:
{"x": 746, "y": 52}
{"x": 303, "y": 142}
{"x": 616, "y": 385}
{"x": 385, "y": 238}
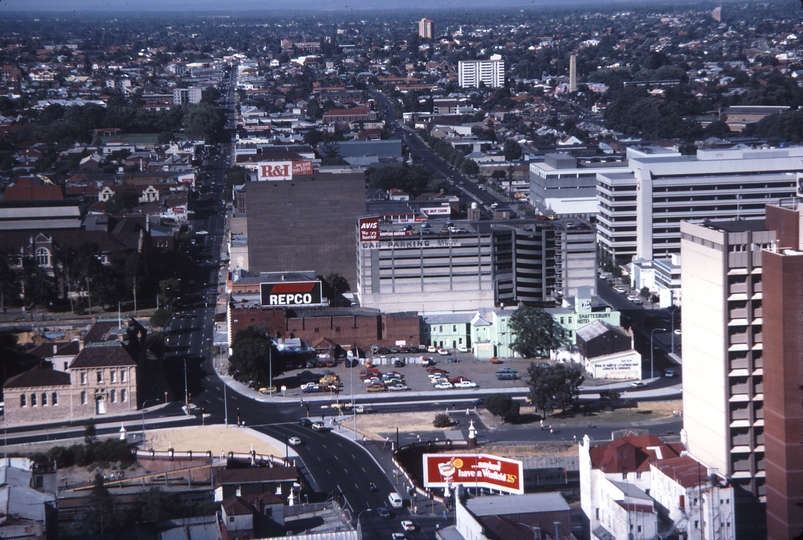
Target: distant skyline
{"x": 267, "y": 6}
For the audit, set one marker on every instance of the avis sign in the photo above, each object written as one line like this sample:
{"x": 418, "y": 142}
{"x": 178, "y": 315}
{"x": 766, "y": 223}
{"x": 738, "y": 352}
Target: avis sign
{"x": 369, "y": 229}
{"x": 479, "y": 470}
{"x": 290, "y": 293}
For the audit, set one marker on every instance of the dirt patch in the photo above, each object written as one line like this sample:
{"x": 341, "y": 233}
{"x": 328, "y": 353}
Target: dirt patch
{"x": 528, "y": 450}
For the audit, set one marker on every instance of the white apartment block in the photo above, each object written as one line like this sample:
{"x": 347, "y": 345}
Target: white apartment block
{"x": 639, "y": 487}
{"x": 184, "y": 96}
{"x": 722, "y": 318}
{"x": 565, "y": 186}
{"x": 640, "y": 211}
{"x": 491, "y": 72}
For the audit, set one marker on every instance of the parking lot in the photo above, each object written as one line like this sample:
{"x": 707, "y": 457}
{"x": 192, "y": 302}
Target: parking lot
{"x": 459, "y": 368}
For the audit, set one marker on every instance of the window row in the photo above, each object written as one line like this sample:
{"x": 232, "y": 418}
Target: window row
{"x": 114, "y": 396}
{"x": 114, "y": 376}
{"x": 31, "y": 400}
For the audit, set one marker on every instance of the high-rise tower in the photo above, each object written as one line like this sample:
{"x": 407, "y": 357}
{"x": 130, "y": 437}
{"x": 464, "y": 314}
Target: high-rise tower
{"x": 573, "y": 73}
{"x": 426, "y": 28}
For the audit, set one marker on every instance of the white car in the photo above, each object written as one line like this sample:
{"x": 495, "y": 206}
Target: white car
{"x": 294, "y": 441}
{"x": 465, "y": 384}
{"x": 444, "y": 385}
{"x": 462, "y": 348}
{"x": 443, "y": 352}
{"x": 408, "y": 525}
{"x": 202, "y": 232}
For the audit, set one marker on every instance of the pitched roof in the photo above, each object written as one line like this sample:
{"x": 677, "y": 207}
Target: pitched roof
{"x": 102, "y": 356}
{"x": 234, "y": 507}
{"x": 63, "y": 348}
{"x": 633, "y": 453}
{"x": 685, "y": 470}
{"x": 42, "y": 374}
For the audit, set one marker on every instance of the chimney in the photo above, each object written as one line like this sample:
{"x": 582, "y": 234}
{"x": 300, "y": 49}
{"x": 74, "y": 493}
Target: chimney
{"x": 557, "y": 530}
{"x": 55, "y": 350}
{"x": 536, "y": 533}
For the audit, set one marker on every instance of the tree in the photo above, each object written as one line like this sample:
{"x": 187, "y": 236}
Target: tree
{"x": 337, "y": 283}
{"x": 644, "y": 292}
{"x": 503, "y": 406}
{"x": 156, "y": 343}
{"x": 160, "y": 318}
{"x": 169, "y": 290}
{"x": 90, "y": 431}
{"x": 512, "y": 151}
{"x": 536, "y": 332}
{"x": 251, "y": 351}
{"x": 442, "y": 420}
{"x": 555, "y": 387}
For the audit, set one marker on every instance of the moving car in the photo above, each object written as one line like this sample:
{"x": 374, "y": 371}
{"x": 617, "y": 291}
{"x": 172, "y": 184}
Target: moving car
{"x": 318, "y": 426}
{"x": 294, "y": 441}
{"x": 638, "y": 384}
{"x": 408, "y": 525}
{"x": 383, "y": 512}
{"x": 306, "y": 422}
{"x": 670, "y": 373}
{"x": 395, "y": 500}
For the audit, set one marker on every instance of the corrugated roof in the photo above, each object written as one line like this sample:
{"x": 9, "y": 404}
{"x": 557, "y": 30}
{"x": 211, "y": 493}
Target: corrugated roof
{"x": 517, "y": 504}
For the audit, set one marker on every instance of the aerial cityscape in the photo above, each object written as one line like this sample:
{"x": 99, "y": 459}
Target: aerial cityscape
{"x": 358, "y": 270}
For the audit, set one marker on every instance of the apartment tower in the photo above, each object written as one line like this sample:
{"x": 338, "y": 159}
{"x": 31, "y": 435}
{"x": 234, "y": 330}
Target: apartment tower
{"x": 490, "y": 72}
{"x": 723, "y": 363}
{"x": 426, "y": 28}
{"x": 573, "y": 73}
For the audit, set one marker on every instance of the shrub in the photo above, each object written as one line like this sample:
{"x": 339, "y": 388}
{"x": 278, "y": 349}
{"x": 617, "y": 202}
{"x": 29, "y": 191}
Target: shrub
{"x": 442, "y": 420}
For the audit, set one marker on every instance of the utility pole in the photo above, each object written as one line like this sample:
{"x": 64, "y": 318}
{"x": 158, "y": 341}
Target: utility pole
{"x": 186, "y": 389}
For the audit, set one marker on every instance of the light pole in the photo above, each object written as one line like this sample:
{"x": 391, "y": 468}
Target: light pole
{"x": 652, "y": 351}
{"x": 225, "y": 404}
{"x": 144, "y": 403}
{"x": 186, "y": 390}
{"x": 672, "y": 319}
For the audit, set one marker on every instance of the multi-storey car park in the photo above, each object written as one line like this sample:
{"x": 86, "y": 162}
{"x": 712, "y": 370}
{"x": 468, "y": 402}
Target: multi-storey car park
{"x": 466, "y": 265}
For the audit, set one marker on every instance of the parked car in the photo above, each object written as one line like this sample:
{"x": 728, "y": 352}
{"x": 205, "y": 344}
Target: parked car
{"x": 398, "y": 363}
{"x": 462, "y": 348}
{"x": 309, "y": 388}
{"x": 479, "y": 401}
{"x": 506, "y": 370}
{"x": 495, "y": 360}
{"x": 443, "y": 352}
{"x": 444, "y": 385}
{"x": 465, "y": 384}
{"x": 432, "y": 349}
{"x": 452, "y": 360}
{"x": 397, "y": 387}
{"x": 506, "y": 376}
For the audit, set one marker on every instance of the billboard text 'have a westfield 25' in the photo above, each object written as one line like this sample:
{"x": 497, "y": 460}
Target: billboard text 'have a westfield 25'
{"x": 478, "y": 470}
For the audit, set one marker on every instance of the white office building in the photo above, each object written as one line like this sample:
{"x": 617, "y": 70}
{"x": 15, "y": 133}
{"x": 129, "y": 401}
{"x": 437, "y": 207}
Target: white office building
{"x": 490, "y": 72}
{"x": 640, "y": 210}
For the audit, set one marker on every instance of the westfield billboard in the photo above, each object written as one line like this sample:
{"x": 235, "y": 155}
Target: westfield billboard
{"x": 478, "y": 470}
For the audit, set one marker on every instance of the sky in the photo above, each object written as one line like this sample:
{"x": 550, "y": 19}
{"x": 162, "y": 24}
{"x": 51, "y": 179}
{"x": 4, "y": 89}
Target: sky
{"x": 112, "y": 6}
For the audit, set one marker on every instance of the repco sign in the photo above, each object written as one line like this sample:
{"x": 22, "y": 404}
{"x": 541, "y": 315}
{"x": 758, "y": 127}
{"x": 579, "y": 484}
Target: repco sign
{"x": 290, "y": 293}
{"x": 369, "y": 229}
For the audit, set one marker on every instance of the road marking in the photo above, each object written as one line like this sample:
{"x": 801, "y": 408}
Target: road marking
{"x": 356, "y": 486}
{"x": 327, "y": 472}
{"x": 363, "y": 470}
{"x": 337, "y": 458}
{"x": 319, "y": 459}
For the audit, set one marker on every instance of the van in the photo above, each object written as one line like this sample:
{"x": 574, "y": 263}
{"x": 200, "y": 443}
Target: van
{"x": 318, "y": 426}
{"x": 395, "y": 500}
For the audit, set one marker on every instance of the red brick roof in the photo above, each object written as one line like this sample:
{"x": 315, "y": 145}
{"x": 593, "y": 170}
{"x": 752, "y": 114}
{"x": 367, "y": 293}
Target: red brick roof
{"x": 633, "y": 453}
{"x": 684, "y": 470}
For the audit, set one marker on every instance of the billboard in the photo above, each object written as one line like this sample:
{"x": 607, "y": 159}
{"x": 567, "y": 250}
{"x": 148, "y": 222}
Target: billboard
{"x": 290, "y": 293}
{"x": 282, "y": 170}
{"x": 479, "y": 470}
{"x": 369, "y": 229}
{"x": 437, "y": 210}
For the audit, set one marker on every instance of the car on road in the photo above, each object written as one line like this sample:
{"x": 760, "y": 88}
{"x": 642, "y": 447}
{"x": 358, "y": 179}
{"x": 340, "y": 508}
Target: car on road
{"x": 479, "y": 401}
{"x": 408, "y": 525}
{"x": 620, "y": 289}
{"x": 372, "y": 486}
{"x": 318, "y": 426}
{"x": 398, "y": 536}
{"x": 294, "y": 441}
{"x": 638, "y": 384}
{"x": 306, "y": 422}
{"x": 383, "y": 512}
{"x": 670, "y": 373}
{"x": 309, "y": 388}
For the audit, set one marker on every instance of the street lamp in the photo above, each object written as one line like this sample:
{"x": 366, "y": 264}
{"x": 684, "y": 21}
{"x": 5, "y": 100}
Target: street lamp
{"x": 672, "y": 319}
{"x": 652, "y": 351}
{"x": 144, "y": 403}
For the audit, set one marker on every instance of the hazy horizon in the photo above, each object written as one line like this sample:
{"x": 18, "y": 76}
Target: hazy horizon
{"x": 309, "y": 6}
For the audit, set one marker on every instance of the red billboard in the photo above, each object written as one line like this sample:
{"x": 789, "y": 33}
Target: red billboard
{"x": 369, "y": 229}
{"x": 478, "y": 470}
{"x": 302, "y": 168}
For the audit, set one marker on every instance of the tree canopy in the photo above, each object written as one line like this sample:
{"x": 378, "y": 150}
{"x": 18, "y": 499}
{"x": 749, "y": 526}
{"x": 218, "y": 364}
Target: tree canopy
{"x": 555, "y": 387}
{"x": 536, "y": 332}
{"x": 251, "y": 351}
{"x": 503, "y": 406}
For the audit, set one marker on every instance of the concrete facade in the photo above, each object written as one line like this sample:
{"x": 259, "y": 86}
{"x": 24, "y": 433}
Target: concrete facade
{"x": 723, "y": 342}
{"x": 306, "y": 223}
{"x": 471, "y": 73}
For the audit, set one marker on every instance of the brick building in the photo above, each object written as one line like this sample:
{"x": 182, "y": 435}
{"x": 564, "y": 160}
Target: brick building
{"x": 100, "y": 380}
{"x": 358, "y": 327}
